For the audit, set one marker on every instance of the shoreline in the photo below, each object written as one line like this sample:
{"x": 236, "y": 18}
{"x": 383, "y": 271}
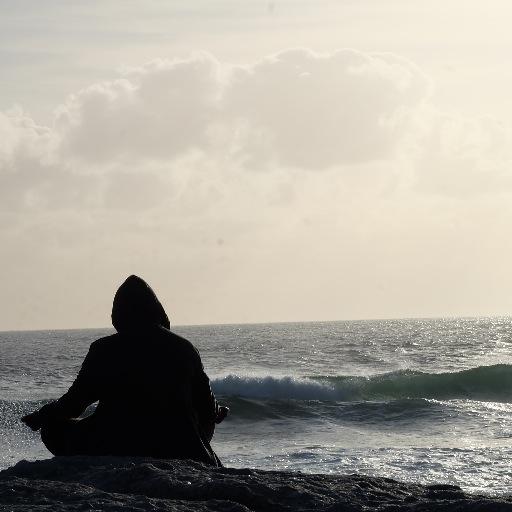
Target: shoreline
{"x": 128, "y": 483}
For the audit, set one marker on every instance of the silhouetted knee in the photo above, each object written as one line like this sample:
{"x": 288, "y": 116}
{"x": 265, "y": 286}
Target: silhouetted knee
{"x": 54, "y": 437}
{"x": 48, "y": 438}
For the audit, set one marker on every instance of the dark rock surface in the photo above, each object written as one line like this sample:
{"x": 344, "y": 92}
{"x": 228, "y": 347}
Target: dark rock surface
{"x": 129, "y": 484}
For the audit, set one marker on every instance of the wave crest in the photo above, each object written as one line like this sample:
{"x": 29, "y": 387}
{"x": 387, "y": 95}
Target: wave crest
{"x": 486, "y": 383}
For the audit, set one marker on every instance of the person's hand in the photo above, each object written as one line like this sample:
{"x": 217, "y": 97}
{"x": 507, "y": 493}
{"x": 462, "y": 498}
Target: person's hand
{"x": 33, "y": 420}
{"x": 221, "y": 415}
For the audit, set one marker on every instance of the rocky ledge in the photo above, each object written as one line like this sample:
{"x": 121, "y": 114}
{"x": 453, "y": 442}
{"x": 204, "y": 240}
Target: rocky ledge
{"x": 130, "y": 484}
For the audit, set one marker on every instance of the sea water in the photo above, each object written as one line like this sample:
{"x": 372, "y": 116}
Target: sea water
{"x": 416, "y": 400}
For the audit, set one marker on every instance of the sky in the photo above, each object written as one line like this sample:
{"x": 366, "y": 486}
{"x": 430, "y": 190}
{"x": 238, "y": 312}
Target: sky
{"x": 255, "y": 161}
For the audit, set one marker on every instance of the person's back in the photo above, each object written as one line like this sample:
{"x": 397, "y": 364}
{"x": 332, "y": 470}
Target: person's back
{"x": 154, "y": 398}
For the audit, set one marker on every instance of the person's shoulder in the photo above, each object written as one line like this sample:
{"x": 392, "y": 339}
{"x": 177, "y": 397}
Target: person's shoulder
{"x": 104, "y": 343}
{"x": 175, "y": 338}
{"x": 180, "y": 342}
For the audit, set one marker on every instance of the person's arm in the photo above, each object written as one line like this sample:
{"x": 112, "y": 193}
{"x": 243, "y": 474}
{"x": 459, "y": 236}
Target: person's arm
{"x": 82, "y": 393}
{"x": 208, "y": 411}
{"x": 205, "y": 403}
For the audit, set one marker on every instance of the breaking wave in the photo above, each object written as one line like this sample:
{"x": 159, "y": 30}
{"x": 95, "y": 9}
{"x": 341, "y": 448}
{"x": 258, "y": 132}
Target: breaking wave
{"x": 485, "y": 383}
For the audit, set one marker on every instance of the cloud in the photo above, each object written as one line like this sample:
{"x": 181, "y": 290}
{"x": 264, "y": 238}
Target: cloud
{"x": 185, "y": 137}
{"x": 19, "y": 134}
{"x": 296, "y": 108}
{"x": 313, "y": 111}
{"x": 26, "y": 161}
{"x": 178, "y": 130}
{"x": 463, "y": 157}
{"x": 159, "y": 111}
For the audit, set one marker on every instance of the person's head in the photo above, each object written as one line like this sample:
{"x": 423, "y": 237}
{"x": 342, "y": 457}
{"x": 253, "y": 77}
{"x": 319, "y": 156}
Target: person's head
{"x": 137, "y": 307}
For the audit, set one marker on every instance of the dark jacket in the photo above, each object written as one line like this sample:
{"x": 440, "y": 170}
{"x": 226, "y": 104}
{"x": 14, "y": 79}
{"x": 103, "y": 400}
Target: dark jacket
{"x": 154, "y": 398}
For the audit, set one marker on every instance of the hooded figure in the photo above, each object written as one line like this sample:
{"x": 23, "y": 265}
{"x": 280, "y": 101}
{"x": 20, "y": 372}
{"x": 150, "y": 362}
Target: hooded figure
{"x": 154, "y": 398}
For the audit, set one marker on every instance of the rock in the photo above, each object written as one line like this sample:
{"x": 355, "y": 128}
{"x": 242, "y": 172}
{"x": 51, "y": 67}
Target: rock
{"x": 140, "y": 484}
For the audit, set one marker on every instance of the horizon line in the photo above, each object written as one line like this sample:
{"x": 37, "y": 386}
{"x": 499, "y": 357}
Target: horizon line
{"x": 383, "y": 319}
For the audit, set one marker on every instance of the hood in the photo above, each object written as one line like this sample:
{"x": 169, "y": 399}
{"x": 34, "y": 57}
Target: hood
{"x": 136, "y": 306}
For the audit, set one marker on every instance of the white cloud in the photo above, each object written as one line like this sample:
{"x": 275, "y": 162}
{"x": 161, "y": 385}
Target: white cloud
{"x": 133, "y": 142}
{"x": 186, "y": 134}
{"x": 159, "y": 111}
{"x": 462, "y": 157}
{"x": 20, "y": 136}
{"x": 26, "y": 161}
{"x": 296, "y": 108}
{"x": 314, "y": 111}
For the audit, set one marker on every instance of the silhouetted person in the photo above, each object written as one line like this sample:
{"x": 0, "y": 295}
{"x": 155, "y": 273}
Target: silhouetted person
{"x": 154, "y": 398}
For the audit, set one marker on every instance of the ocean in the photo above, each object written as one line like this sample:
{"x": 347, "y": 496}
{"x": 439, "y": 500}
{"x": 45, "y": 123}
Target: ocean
{"x": 423, "y": 400}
